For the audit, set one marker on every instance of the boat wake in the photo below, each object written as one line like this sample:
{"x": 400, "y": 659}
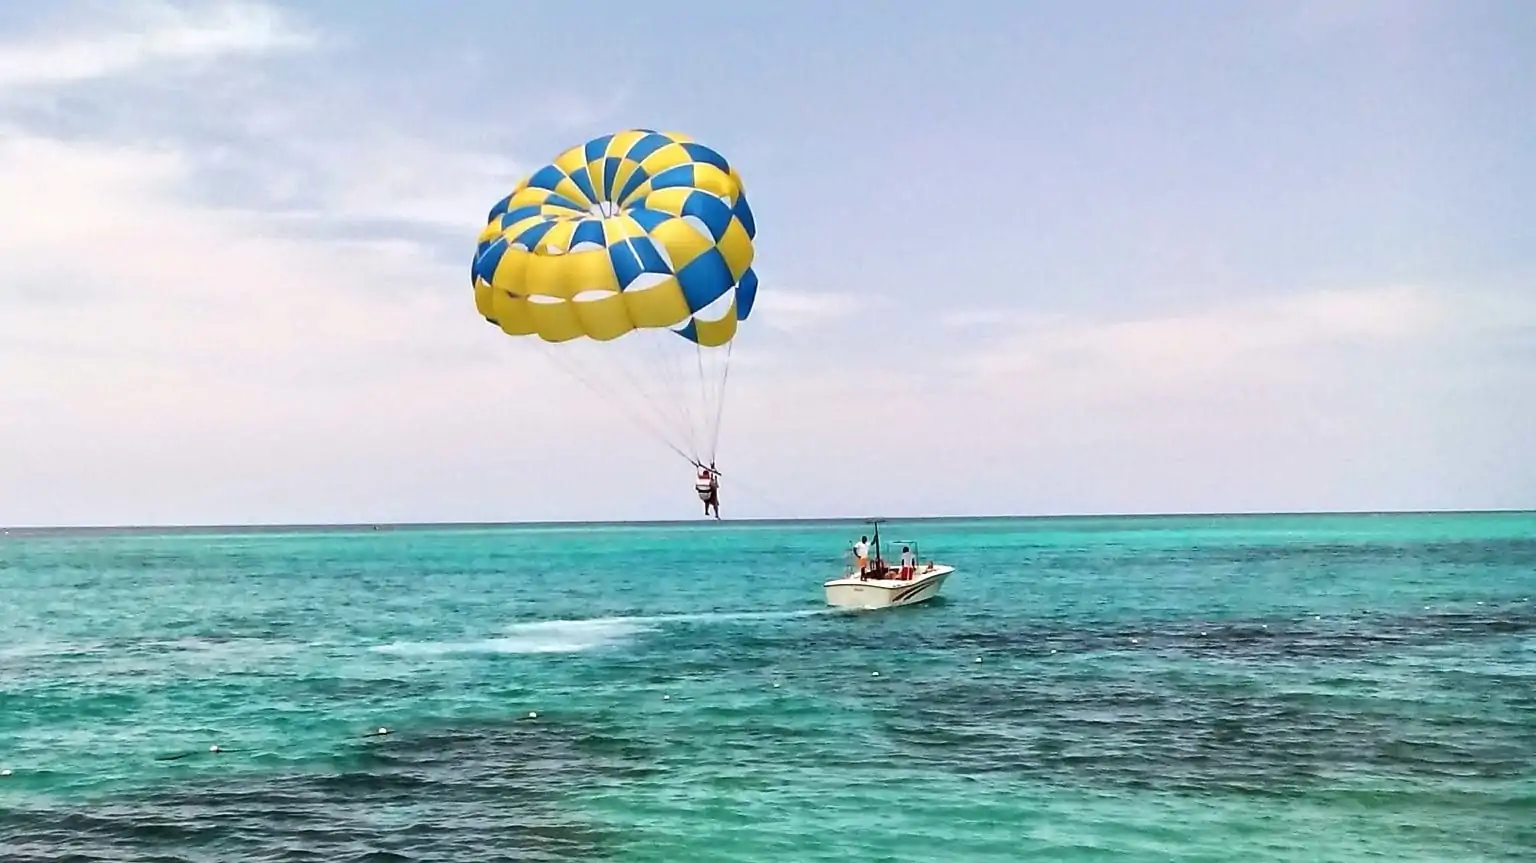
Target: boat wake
{"x": 554, "y": 636}
{"x": 582, "y": 635}
{"x": 717, "y": 616}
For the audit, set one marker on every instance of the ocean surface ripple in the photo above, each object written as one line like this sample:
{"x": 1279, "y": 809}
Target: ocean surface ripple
{"x": 1262, "y": 688}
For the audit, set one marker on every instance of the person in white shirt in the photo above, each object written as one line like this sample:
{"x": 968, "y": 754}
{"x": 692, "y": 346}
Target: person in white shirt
{"x": 861, "y": 554}
{"x": 908, "y": 562}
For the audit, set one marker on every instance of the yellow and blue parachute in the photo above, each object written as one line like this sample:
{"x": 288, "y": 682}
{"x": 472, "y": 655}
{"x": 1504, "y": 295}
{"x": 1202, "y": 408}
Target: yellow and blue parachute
{"x": 622, "y": 242}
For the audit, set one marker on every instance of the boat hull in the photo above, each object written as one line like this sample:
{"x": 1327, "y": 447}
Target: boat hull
{"x": 851, "y": 592}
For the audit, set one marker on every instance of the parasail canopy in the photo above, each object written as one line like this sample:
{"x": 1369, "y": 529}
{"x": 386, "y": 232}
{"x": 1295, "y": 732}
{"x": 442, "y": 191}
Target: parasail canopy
{"x": 628, "y": 260}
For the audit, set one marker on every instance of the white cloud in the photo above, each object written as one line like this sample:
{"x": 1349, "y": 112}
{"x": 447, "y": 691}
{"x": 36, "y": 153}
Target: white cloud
{"x": 1330, "y": 370}
{"x": 411, "y": 180}
{"x": 790, "y": 309}
{"x": 969, "y": 318}
{"x": 163, "y": 286}
{"x": 1236, "y": 338}
{"x": 141, "y": 35}
{"x": 368, "y": 168}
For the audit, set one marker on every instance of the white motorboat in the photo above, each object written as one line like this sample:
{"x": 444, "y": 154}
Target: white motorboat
{"x": 885, "y": 586}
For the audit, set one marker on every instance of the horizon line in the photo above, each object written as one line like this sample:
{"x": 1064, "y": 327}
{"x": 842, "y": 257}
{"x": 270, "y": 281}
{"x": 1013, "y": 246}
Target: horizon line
{"x": 684, "y": 522}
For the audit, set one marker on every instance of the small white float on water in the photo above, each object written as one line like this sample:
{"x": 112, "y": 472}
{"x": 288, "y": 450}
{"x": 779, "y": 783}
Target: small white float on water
{"x": 883, "y": 586}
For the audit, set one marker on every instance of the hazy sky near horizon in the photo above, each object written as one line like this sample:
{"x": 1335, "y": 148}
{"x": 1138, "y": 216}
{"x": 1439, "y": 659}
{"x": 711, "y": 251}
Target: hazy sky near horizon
{"x": 1015, "y": 257}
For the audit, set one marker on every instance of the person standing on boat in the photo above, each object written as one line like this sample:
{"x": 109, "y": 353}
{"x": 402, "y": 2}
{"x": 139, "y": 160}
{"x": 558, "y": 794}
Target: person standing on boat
{"x": 861, "y": 554}
{"x": 908, "y": 563}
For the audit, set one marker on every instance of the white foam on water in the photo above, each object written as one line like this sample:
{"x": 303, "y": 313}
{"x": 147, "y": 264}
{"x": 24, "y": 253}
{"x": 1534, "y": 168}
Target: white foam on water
{"x": 726, "y": 616}
{"x": 548, "y": 636}
{"x": 576, "y": 636}
{"x": 571, "y": 636}
{"x": 35, "y": 649}
{"x": 243, "y": 646}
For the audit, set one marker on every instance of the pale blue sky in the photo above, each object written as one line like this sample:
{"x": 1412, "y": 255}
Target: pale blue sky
{"x": 1120, "y": 257}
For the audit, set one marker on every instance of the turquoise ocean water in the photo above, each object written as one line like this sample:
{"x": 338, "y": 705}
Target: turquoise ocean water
{"x": 1275, "y": 688}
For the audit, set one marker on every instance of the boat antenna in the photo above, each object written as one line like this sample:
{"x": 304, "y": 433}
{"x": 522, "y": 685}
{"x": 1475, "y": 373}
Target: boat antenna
{"x": 879, "y": 558}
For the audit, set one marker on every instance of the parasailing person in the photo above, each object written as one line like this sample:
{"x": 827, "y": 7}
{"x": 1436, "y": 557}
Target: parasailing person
{"x": 708, "y": 487}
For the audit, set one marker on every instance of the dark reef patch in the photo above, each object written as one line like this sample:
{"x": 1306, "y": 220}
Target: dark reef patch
{"x": 481, "y": 792}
